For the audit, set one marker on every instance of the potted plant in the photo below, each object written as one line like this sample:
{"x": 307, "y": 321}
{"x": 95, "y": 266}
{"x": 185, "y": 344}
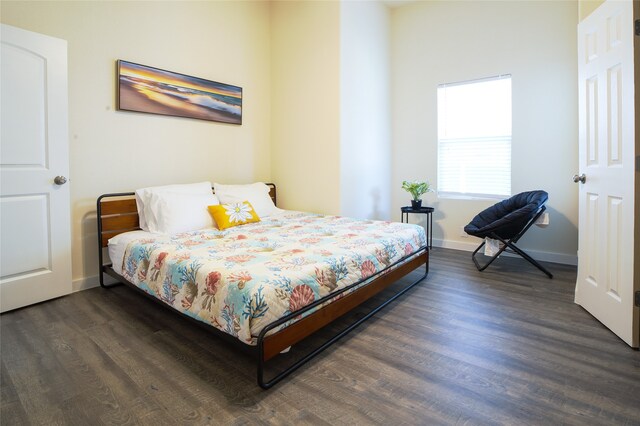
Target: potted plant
{"x": 416, "y": 189}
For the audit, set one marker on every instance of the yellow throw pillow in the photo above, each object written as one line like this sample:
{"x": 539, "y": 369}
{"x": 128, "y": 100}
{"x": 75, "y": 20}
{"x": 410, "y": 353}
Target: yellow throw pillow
{"x": 234, "y": 214}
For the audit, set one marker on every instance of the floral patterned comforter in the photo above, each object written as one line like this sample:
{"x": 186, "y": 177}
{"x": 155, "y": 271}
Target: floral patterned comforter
{"x": 243, "y": 278}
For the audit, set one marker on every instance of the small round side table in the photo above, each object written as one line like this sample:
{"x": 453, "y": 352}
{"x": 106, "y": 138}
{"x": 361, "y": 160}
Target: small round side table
{"x": 404, "y": 212}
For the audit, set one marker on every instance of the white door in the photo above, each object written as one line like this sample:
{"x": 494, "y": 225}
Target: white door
{"x": 605, "y": 285}
{"x": 35, "y": 256}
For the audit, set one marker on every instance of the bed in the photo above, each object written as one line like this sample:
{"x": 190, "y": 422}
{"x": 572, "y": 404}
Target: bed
{"x": 265, "y": 285}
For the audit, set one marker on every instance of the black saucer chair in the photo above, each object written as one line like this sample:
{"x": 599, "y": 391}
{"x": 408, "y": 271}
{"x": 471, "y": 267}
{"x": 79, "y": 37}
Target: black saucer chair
{"x": 506, "y": 222}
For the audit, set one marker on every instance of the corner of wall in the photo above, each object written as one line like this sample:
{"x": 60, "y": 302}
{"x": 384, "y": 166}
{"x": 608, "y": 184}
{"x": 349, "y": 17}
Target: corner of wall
{"x": 365, "y": 126}
{"x": 585, "y": 7}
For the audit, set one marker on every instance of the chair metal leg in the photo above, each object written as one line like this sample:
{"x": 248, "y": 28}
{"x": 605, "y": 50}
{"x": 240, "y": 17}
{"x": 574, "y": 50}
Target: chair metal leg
{"x": 493, "y": 258}
{"x": 528, "y": 258}
{"x": 516, "y": 249}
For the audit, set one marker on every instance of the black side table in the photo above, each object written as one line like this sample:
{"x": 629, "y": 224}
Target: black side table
{"x": 422, "y": 210}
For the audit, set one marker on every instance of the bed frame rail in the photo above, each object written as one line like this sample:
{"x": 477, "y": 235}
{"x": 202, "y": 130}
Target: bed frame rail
{"x": 271, "y": 345}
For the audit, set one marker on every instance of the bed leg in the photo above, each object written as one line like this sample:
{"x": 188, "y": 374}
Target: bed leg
{"x": 101, "y": 277}
{"x": 103, "y": 285}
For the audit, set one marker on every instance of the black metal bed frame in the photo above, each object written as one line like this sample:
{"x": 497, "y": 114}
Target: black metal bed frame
{"x": 339, "y": 335}
{"x": 259, "y": 349}
{"x": 107, "y": 269}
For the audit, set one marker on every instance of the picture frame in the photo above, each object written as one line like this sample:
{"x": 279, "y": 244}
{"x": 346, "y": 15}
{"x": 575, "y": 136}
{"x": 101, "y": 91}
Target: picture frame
{"x": 141, "y": 88}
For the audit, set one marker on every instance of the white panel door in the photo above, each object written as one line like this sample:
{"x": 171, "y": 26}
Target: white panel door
{"x": 35, "y": 247}
{"x": 605, "y": 283}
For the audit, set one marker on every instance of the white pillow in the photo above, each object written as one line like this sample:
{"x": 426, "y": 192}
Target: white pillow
{"x": 143, "y": 195}
{"x": 255, "y": 193}
{"x": 176, "y": 212}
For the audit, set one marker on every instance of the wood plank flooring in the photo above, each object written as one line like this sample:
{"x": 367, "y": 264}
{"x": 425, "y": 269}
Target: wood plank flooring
{"x": 504, "y": 346}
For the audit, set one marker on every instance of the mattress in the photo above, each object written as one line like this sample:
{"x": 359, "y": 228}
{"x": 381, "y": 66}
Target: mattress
{"x": 243, "y": 278}
{"x": 119, "y": 243}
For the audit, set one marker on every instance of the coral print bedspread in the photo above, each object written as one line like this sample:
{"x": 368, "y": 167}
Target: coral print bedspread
{"x": 243, "y": 278}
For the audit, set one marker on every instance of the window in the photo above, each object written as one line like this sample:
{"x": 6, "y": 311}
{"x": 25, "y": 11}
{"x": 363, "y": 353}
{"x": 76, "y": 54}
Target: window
{"x": 474, "y": 138}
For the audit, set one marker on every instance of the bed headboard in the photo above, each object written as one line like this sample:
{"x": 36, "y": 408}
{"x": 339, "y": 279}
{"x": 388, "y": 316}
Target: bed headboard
{"x": 118, "y": 213}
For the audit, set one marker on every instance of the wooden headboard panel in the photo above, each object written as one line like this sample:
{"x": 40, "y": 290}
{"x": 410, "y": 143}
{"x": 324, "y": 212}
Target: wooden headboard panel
{"x": 118, "y": 213}
{"x": 116, "y": 216}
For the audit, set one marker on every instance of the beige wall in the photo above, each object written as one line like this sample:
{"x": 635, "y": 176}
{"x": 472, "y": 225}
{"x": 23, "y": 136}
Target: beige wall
{"x": 301, "y": 111}
{"x": 113, "y": 151}
{"x": 330, "y": 106}
{"x": 535, "y": 42}
{"x": 365, "y": 125}
{"x": 305, "y": 104}
{"x": 636, "y": 238}
{"x": 585, "y": 7}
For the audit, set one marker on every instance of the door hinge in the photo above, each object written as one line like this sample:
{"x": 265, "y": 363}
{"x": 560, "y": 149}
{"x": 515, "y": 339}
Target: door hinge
{"x": 637, "y": 299}
{"x": 637, "y": 27}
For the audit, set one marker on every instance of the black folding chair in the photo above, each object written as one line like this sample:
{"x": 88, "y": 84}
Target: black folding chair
{"x": 507, "y": 221}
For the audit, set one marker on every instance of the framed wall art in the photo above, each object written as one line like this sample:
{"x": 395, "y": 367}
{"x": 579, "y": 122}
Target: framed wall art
{"x": 156, "y": 91}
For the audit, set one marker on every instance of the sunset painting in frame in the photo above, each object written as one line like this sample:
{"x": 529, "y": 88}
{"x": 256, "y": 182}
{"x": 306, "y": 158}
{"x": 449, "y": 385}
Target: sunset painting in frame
{"x": 156, "y": 91}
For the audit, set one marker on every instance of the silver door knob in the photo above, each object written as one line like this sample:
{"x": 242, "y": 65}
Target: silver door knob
{"x": 582, "y": 178}
{"x": 60, "y": 180}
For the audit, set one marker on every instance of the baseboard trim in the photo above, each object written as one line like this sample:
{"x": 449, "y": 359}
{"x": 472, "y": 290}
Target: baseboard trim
{"x": 543, "y": 256}
{"x": 89, "y": 282}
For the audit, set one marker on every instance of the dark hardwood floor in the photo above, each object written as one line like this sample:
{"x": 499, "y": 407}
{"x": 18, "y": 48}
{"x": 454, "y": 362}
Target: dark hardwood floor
{"x": 504, "y": 346}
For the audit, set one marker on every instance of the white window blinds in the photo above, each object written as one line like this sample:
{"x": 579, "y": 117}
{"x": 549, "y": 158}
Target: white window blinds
{"x": 474, "y": 138}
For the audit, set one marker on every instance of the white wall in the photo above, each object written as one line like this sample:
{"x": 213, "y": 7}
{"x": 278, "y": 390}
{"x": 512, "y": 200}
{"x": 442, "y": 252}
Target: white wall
{"x": 305, "y": 104}
{"x": 365, "y": 121}
{"x": 112, "y": 151}
{"x": 300, "y": 120}
{"x": 437, "y": 42}
{"x": 330, "y": 107}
